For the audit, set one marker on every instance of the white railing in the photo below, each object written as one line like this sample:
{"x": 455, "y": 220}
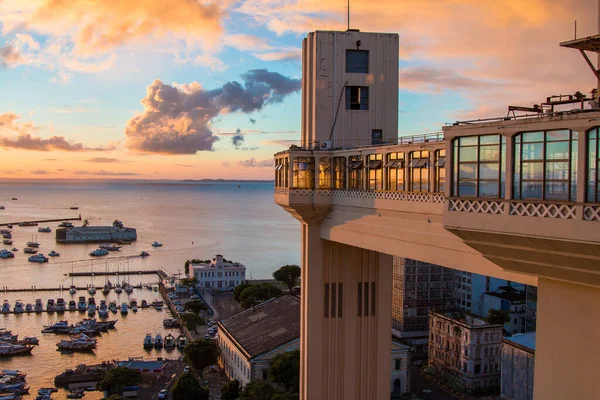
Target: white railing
{"x": 477, "y": 206}
{"x": 591, "y": 213}
{"x": 544, "y": 210}
{"x": 421, "y": 197}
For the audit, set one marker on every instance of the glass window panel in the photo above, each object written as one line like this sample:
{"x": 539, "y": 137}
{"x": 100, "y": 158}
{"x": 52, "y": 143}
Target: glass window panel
{"x": 533, "y": 137}
{"x": 532, "y": 190}
{"x": 467, "y": 171}
{"x": 533, "y": 170}
{"x": 489, "y": 171}
{"x": 557, "y": 150}
{"x": 468, "y": 154}
{"x": 489, "y": 153}
{"x": 467, "y": 188}
{"x": 357, "y": 61}
{"x": 563, "y": 134}
{"x": 557, "y": 170}
{"x": 489, "y": 139}
{"x": 468, "y": 141}
{"x": 557, "y": 191}
{"x": 488, "y": 189}
{"x": 533, "y": 151}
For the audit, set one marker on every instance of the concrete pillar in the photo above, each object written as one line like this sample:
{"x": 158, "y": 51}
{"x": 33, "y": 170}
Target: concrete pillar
{"x": 567, "y": 350}
{"x": 345, "y": 339}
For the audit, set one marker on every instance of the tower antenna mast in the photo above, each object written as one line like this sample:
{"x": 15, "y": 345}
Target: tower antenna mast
{"x": 349, "y": 14}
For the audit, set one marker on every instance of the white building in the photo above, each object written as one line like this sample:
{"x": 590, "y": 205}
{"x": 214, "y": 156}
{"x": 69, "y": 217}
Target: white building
{"x": 400, "y": 376}
{"x": 511, "y": 300}
{"x": 219, "y": 273}
{"x": 518, "y": 364}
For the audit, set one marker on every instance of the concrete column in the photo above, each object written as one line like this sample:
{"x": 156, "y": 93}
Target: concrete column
{"x": 345, "y": 340}
{"x": 567, "y": 350}
{"x": 508, "y": 160}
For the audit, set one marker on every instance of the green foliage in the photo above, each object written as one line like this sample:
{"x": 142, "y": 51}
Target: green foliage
{"x": 258, "y": 390}
{"x": 202, "y": 353}
{"x": 239, "y": 289}
{"x": 187, "y": 387}
{"x": 284, "y": 370}
{"x": 256, "y": 294}
{"x": 115, "y": 397}
{"x": 230, "y": 390}
{"x": 500, "y": 317}
{"x": 117, "y": 378}
{"x": 288, "y": 274}
{"x": 191, "y": 321}
{"x": 195, "y": 306}
{"x": 187, "y": 267}
{"x": 188, "y": 281}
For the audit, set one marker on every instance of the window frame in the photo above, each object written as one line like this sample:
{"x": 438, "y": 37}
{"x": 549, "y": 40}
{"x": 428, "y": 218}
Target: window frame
{"x": 396, "y": 168}
{"x": 356, "y": 173}
{"x": 303, "y": 178}
{"x": 592, "y": 184}
{"x": 357, "y": 68}
{"x": 362, "y": 105}
{"x": 339, "y": 172}
{"x": 325, "y": 173}
{"x": 420, "y": 164}
{"x": 374, "y": 171}
{"x": 439, "y": 165}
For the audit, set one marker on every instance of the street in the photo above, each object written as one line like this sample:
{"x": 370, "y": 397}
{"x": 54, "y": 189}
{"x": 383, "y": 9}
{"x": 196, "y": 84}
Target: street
{"x": 418, "y": 384}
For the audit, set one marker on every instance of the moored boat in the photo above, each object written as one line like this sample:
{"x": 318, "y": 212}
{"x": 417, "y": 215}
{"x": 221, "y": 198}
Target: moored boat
{"x": 5, "y": 307}
{"x": 124, "y": 308}
{"x": 19, "y": 307}
{"x": 158, "y": 341}
{"x": 6, "y": 254}
{"x": 99, "y": 253}
{"x": 72, "y": 305}
{"x": 169, "y": 341}
{"x": 79, "y": 342}
{"x": 50, "y": 305}
{"x": 156, "y": 244}
{"x": 8, "y": 349}
{"x": 148, "y": 341}
{"x": 28, "y": 308}
{"x": 29, "y": 250}
{"x": 38, "y": 258}
{"x": 53, "y": 254}
{"x": 45, "y": 230}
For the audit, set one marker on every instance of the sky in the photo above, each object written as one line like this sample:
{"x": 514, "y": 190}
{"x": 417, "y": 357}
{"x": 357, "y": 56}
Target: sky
{"x": 196, "y": 89}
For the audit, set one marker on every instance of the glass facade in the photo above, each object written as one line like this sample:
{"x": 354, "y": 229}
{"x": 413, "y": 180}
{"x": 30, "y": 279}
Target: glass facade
{"x": 375, "y": 171}
{"x": 418, "y": 171}
{"x": 339, "y": 172}
{"x": 545, "y": 165}
{"x": 355, "y": 165}
{"x": 395, "y": 172}
{"x": 440, "y": 171}
{"x": 478, "y": 166}
{"x": 325, "y": 173}
{"x": 303, "y": 173}
{"x": 593, "y": 164}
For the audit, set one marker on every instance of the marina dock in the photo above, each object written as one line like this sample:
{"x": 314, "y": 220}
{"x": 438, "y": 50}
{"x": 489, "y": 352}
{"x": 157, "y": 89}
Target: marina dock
{"x": 105, "y": 273}
{"x": 61, "y": 288}
{"x": 41, "y": 221}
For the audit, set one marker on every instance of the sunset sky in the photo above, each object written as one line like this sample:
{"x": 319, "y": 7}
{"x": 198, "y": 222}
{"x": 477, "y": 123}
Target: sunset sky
{"x": 192, "y": 89}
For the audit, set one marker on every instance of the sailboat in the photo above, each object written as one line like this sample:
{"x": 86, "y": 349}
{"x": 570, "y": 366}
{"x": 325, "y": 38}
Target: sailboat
{"x": 128, "y": 287}
{"x": 118, "y": 288}
{"x": 92, "y": 288}
{"x": 106, "y": 288}
{"x": 72, "y": 290}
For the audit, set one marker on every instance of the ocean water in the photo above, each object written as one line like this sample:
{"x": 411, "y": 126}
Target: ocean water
{"x": 192, "y": 220}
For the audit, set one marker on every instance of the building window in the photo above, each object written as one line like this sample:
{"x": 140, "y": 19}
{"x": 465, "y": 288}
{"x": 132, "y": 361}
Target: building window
{"x": 440, "y": 171}
{"x": 376, "y": 136}
{"x": 478, "y": 166}
{"x": 418, "y": 171}
{"x": 593, "y": 164}
{"x": 398, "y": 365}
{"x": 339, "y": 172}
{"x": 477, "y": 369}
{"x": 304, "y": 172}
{"x": 375, "y": 171}
{"x": 357, "y": 98}
{"x": 356, "y": 172}
{"x": 282, "y": 167}
{"x": 325, "y": 173}
{"x": 357, "y": 61}
{"x": 395, "y": 171}
{"x": 545, "y": 165}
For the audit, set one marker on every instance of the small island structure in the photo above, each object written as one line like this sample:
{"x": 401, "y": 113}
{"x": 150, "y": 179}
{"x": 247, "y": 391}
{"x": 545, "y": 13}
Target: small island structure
{"x": 117, "y": 233}
{"x": 218, "y": 273}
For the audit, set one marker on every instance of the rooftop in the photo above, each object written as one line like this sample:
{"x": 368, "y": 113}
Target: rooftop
{"x": 526, "y": 340}
{"x": 265, "y": 327}
{"x": 590, "y": 43}
{"x": 466, "y": 319}
{"x": 509, "y": 293}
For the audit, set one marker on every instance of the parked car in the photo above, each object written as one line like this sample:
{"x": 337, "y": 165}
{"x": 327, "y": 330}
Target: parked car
{"x": 180, "y": 309}
{"x": 162, "y": 394}
{"x": 194, "y": 296}
{"x": 187, "y": 369}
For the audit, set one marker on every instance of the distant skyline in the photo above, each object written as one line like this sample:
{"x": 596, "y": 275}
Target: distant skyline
{"x": 191, "y": 89}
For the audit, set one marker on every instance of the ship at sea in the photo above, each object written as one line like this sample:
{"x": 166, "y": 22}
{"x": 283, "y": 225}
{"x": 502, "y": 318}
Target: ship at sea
{"x": 93, "y": 234}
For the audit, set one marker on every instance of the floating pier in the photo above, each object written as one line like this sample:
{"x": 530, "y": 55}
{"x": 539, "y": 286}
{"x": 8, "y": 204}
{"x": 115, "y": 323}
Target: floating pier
{"x": 41, "y": 221}
{"x": 104, "y": 273}
{"x": 6, "y": 289}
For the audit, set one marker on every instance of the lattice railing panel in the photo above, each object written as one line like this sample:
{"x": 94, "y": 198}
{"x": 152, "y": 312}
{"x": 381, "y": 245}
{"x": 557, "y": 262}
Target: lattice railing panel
{"x": 477, "y": 206}
{"x": 591, "y": 213}
{"x": 302, "y": 192}
{"x": 379, "y": 195}
{"x": 282, "y": 190}
{"x": 560, "y": 211}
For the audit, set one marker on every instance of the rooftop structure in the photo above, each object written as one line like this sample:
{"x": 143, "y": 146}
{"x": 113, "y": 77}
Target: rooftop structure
{"x": 218, "y": 273}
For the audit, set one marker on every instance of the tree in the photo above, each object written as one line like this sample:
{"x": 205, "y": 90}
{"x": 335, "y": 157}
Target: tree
{"x": 195, "y": 306}
{"x": 187, "y": 387}
{"x": 192, "y": 320}
{"x": 284, "y": 370}
{"x": 202, "y": 353}
{"x": 256, "y": 294}
{"x": 258, "y": 390}
{"x": 499, "y": 317}
{"x": 114, "y": 380}
{"x": 230, "y": 390}
{"x": 288, "y": 274}
{"x": 239, "y": 289}
{"x": 187, "y": 267}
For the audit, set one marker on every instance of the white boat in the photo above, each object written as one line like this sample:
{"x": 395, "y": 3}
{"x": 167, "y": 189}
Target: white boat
{"x": 81, "y": 304}
{"x": 6, "y": 254}
{"x": 92, "y": 290}
{"x": 39, "y": 306}
{"x": 92, "y": 310}
{"x": 78, "y": 342}
{"x": 53, "y": 254}
{"x": 72, "y": 305}
{"x": 60, "y": 305}
{"x": 128, "y": 288}
{"x": 156, "y": 244}
{"x": 45, "y": 230}
{"x": 7, "y": 349}
{"x": 148, "y": 341}
{"x": 181, "y": 342}
{"x": 5, "y": 307}
{"x": 113, "y": 307}
{"x": 158, "y": 341}
{"x": 134, "y": 309}
{"x": 38, "y": 258}
{"x": 169, "y": 341}
{"x": 72, "y": 290}
{"x": 19, "y": 307}
{"x": 103, "y": 313}
{"x": 124, "y": 308}
{"x": 99, "y": 253}
{"x": 50, "y": 305}
{"x": 118, "y": 289}
{"x": 28, "y": 308}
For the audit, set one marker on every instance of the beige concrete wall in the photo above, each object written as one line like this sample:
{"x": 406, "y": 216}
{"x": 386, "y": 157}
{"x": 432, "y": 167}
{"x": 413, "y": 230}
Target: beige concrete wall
{"x": 324, "y": 75}
{"x": 567, "y": 341}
